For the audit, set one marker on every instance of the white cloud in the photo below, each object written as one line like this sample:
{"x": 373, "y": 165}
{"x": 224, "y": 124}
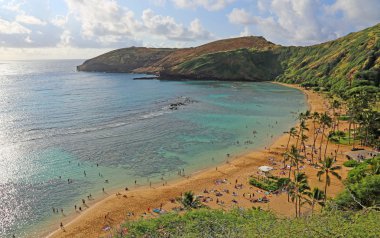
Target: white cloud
{"x": 13, "y": 5}
{"x": 65, "y": 39}
{"x": 10, "y": 28}
{"x": 240, "y": 16}
{"x": 245, "y": 32}
{"x": 29, "y": 20}
{"x": 166, "y": 26}
{"x": 108, "y": 23}
{"x": 59, "y": 21}
{"x": 356, "y": 11}
{"x": 211, "y": 5}
{"x": 28, "y": 40}
{"x": 101, "y": 18}
{"x": 308, "y": 21}
{"x": 160, "y": 3}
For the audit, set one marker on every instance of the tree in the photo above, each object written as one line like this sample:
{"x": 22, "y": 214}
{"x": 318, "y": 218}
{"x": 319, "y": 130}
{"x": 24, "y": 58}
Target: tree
{"x": 302, "y": 117}
{"x": 335, "y": 104}
{"x": 327, "y": 168}
{"x": 294, "y": 157}
{"x": 325, "y": 121}
{"x": 189, "y": 200}
{"x": 292, "y": 133}
{"x": 303, "y": 144}
{"x": 329, "y": 137}
{"x": 317, "y": 196}
{"x": 315, "y": 118}
{"x": 298, "y": 188}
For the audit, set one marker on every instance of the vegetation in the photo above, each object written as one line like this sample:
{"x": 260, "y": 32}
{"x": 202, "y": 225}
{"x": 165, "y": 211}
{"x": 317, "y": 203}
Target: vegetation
{"x": 327, "y": 168}
{"x": 362, "y": 189}
{"x": 351, "y": 163}
{"x": 190, "y": 201}
{"x": 255, "y": 223}
{"x": 270, "y": 183}
{"x": 347, "y": 71}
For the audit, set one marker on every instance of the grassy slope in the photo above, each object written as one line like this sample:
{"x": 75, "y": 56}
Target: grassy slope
{"x": 335, "y": 62}
{"x": 124, "y": 60}
{"x": 143, "y": 60}
{"x": 327, "y": 64}
{"x": 256, "y": 223}
{"x": 242, "y": 64}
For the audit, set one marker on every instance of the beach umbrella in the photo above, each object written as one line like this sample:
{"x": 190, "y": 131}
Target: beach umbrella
{"x": 265, "y": 168}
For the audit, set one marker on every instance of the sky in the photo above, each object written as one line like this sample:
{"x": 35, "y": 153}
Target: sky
{"x": 80, "y": 29}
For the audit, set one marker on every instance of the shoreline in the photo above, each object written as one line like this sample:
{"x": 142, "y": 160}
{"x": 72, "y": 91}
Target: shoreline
{"x": 90, "y": 222}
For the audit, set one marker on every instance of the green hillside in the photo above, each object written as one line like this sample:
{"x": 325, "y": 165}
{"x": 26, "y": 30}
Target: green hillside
{"x": 338, "y": 65}
{"x": 352, "y": 60}
{"x": 124, "y": 60}
{"x": 242, "y": 64}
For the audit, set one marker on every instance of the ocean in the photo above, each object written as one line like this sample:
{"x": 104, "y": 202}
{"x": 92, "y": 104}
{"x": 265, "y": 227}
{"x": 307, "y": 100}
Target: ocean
{"x": 59, "y": 125}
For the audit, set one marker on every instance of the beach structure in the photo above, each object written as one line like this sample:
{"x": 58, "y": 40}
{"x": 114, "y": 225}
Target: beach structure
{"x": 265, "y": 168}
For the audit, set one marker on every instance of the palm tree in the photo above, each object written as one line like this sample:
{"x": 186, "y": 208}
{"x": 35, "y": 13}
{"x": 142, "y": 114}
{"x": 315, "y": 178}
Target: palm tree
{"x": 315, "y": 117}
{"x": 335, "y": 104}
{"x": 303, "y": 127}
{"x": 303, "y": 144}
{"x": 329, "y": 138}
{"x": 189, "y": 200}
{"x": 294, "y": 157}
{"x": 317, "y": 196}
{"x": 327, "y": 168}
{"x": 302, "y": 117}
{"x": 297, "y": 190}
{"x": 325, "y": 121}
{"x": 292, "y": 133}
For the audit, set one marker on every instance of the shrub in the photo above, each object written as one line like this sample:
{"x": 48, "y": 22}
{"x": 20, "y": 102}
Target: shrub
{"x": 351, "y": 163}
{"x": 268, "y": 185}
{"x": 256, "y": 223}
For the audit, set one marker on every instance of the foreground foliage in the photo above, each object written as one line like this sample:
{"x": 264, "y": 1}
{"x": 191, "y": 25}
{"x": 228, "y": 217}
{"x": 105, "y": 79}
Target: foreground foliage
{"x": 362, "y": 187}
{"x": 256, "y": 223}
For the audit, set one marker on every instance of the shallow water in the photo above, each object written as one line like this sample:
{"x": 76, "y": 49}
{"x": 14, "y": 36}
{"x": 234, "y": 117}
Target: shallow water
{"x": 56, "y": 123}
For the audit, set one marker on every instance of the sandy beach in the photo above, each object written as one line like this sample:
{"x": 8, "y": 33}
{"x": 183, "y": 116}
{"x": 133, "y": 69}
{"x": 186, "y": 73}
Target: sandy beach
{"x": 139, "y": 201}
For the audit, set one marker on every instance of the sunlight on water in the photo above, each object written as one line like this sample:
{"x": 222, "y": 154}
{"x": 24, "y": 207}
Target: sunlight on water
{"x": 63, "y": 133}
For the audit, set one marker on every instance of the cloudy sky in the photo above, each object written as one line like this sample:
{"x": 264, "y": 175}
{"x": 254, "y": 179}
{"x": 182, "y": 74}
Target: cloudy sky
{"x": 39, "y": 29}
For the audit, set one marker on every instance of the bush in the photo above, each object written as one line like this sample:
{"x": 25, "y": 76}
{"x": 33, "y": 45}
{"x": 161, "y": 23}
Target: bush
{"x": 344, "y": 118}
{"x": 268, "y": 185}
{"x": 255, "y": 223}
{"x": 351, "y": 163}
{"x": 366, "y": 192}
{"x": 282, "y": 182}
{"x": 363, "y": 184}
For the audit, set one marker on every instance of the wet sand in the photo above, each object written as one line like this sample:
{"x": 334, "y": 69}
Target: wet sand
{"x": 139, "y": 201}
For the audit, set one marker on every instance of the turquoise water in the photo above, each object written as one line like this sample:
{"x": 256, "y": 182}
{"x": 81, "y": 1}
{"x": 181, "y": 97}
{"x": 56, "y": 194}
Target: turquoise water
{"x": 56, "y": 123}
